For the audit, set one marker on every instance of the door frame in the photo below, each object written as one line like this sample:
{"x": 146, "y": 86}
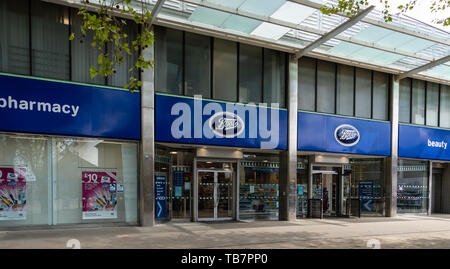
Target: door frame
{"x": 216, "y": 194}
{"x": 235, "y": 182}
{"x": 339, "y": 187}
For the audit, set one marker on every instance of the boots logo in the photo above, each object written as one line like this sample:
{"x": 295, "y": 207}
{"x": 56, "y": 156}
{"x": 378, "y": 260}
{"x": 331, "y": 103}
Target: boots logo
{"x": 226, "y": 124}
{"x": 346, "y": 135}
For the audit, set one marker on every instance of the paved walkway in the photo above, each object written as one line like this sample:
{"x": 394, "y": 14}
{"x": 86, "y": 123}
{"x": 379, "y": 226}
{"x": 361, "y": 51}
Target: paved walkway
{"x": 400, "y": 232}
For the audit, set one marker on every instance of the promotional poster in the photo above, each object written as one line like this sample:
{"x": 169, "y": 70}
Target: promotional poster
{"x": 13, "y": 193}
{"x": 99, "y": 195}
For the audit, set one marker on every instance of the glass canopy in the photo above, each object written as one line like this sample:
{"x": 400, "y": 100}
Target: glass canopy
{"x": 291, "y": 25}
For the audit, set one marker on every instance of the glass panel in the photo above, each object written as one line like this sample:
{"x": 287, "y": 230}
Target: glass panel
{"x": 405, "y": 100}
{"x": 50, "y": 40}
{"x": 418, "y": 102}
{"x": 412, "y": 186}
{"x": 250, "y": 74}
{"x": 14, "y": 37}
{"x": 367, "y": 185}
{"x": 206, "y": 195}
{"x": 317, "y": 186}
{"x": 344, "y": 98}
{"x": 73, "y": 200}
{"x": 26, "y": 205}
{"x": 224, "y": 195}
{"x": 302, "y": 187}
{"x": 432, "y": 103}
{"x": 445, "y": 106}
{"x": 122, "y": 75}
{"x": 380, "y": 96}
{"x": 306, "y": 83}
{"x": 83, "y": 55}
{"x": 329, "y": 193}
{"x": 258, "y": 188}
{"x": 363, "y": 93}
{"x": 182, "y": 180}
{"x": 198, "y": 65}
{"x": 274, "y": 77}
{"x": 168, "y": 60}
{"x": 325, "y": 86}
{"x": 225, "y": 70}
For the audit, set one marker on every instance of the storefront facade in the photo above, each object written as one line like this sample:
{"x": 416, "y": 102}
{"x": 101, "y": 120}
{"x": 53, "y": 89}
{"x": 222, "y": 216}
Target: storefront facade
{"x": 222, "y": 129}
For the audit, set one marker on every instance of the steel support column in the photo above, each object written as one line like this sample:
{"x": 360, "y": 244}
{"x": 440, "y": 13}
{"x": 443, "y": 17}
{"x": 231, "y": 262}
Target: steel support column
{"x": 288, "y": 159}
{"x": 391, "y": 182}
{"x": 147, "y": 145}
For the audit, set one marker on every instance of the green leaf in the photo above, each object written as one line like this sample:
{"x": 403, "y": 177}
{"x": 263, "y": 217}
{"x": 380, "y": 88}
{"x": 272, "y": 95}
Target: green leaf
{"x": 100, "y": 59}
{"x": 93, "y": 71}
{"x": 72, "y": 36}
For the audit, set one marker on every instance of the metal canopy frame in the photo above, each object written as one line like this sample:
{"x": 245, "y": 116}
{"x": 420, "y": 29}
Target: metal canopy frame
{"x": 425, "y": 67}
{"x": 302, "y": 41}
{"x": 155, "y": 10}
{"x": 341, "y": 28}
{"x": 303, "y": 28}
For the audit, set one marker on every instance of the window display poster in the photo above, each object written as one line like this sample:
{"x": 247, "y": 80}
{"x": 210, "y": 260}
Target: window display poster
{"x": 365, "y": 189}
{"x": 13, "y": 196}
{"x": 160, "y": 197}
{"x": 99, "y": 195}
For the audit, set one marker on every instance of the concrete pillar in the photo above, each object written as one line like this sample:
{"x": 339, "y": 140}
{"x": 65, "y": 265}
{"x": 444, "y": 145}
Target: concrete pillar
{"x": 147, "y": 145}
{"x": 288, "y": 159}
{"x": 392, "y": 163}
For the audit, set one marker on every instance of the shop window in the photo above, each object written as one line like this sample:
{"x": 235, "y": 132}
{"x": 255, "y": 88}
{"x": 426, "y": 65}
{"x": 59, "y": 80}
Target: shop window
{"x": 344, "y": 90}
{"x": 27, "y": 204}
{"x": 96, "y": 181}
{"x": 259, "y": 187}
{"x": 250, "y": 74}
{"x": 326, "y": 86}
{"x": 380, "y": 96}
{"x": 197, "y": 65}
{"x": 418, "y": 102}
{"x": 14, "y": 37}
{"x": 67, "y": 181}
{"x": 50, "y": 40}
{"x": 225, "y": 70}
{"x": 445, "y": 106}
{"x": 367, "y": 184}
{"x": 412, "y": 186}
{"x": 363, "y": 93}
{"x": 168, "y": 60}
{"x": 405, "y": 100}
{"x": 274, "y": 77}
{"x": 306, "y": 83}
{"x": 432, "y": 104}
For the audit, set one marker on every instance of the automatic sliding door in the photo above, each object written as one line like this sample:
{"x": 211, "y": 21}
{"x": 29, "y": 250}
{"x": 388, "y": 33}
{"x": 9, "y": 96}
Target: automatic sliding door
{"x": 224, "y": 195}
{"x": 206, "y": 194}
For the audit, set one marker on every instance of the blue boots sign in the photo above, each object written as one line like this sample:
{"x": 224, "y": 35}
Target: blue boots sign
{"x": 199, "y": 121}
{"x": 326, "y": 133}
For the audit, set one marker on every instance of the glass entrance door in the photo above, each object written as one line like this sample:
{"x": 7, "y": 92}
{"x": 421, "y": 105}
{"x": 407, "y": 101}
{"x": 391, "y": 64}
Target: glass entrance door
{"x": 215, "y": 195}
{"x": 224, "y": 195}
{"x": 206, "y": 195}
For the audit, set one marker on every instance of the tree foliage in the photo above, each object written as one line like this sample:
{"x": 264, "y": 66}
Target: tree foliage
{"x": 351, "y": 7}
{"x": 106, "y": 21}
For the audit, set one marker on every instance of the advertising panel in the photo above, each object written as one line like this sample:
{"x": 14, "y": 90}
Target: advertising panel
{"x": 99, "y": 195}
{"x": 13, "y": 193}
